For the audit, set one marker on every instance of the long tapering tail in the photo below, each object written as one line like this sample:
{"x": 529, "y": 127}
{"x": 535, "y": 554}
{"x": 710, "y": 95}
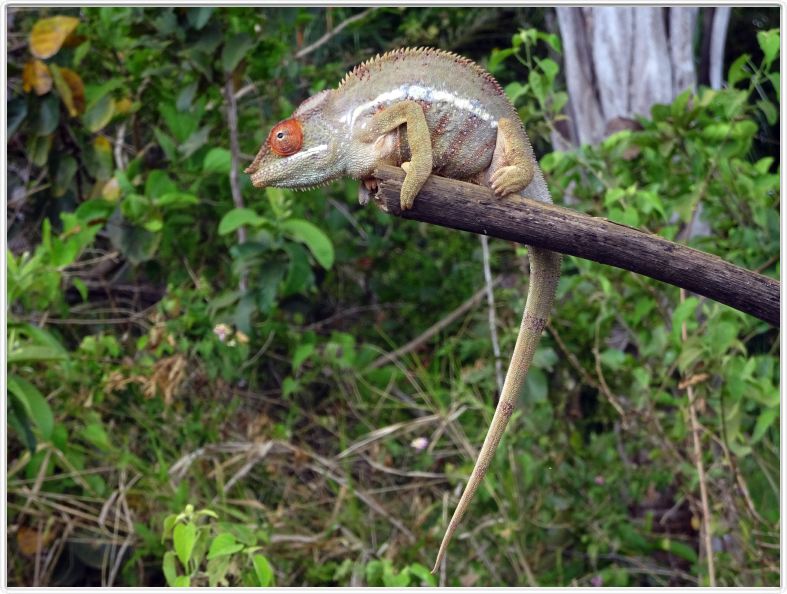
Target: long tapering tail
{"x": 544, "y": 274}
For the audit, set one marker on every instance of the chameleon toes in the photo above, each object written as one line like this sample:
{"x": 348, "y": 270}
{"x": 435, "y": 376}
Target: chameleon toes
{"x": 507, "y": 180}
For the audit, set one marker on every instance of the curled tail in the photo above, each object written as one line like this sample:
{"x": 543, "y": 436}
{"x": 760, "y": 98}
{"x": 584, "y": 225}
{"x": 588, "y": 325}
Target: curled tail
{"x": 544, "y": 274}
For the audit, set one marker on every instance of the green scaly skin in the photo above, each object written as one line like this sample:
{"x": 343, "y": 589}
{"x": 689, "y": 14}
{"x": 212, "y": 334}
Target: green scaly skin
{"x": 428, "y": 111}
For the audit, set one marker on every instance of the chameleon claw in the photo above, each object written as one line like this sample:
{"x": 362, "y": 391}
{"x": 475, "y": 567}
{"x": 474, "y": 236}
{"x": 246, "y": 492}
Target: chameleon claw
{"x": 507, "y": 180}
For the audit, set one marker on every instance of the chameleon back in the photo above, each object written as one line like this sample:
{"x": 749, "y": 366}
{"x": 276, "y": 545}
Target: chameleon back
{"x": 461, "y": 101}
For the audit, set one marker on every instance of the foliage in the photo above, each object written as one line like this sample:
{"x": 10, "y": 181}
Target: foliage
{"x": 186, "y": 408}
{"x": 213, "y": 553}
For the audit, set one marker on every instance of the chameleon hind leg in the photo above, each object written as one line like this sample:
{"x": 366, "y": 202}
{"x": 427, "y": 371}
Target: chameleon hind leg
{"x": 512, "y": 167}
{"x": 419, "y": 167}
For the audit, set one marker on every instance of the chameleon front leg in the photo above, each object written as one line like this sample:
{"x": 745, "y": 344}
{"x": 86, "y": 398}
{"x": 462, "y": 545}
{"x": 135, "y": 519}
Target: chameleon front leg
{"x": 419, "y": 167}
{"x": 512, "y": 169}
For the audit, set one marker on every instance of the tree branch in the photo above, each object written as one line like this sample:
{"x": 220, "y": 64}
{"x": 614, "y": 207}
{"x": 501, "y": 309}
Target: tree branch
{"x": 237, "y": 197}
{"x": 469, "y": 207}
{"x": 333, "y": 32}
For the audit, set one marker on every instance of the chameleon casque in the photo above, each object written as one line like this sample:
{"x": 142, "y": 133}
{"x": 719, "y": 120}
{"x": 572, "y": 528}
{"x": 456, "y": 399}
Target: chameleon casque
{"x": 428, "y": 111}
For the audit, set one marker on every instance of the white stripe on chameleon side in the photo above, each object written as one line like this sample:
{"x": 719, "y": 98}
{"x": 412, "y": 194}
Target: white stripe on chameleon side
{"x": 421, "y": 93}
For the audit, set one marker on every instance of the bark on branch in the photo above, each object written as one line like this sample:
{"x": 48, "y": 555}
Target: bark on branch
{"x": 469, "y": 207}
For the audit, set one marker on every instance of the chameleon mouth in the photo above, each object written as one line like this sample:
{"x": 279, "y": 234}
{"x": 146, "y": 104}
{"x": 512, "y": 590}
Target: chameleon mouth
{"x": 366, "y": 190}
{"x": 257, "y": 179}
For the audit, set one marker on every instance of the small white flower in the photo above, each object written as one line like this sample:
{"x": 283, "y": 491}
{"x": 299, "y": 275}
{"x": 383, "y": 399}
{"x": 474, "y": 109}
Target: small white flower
{"x": 222, "y": 331}
{"x": 419, "y": 444}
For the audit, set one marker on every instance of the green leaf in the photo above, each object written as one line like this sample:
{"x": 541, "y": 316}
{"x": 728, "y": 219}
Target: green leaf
{"x": 38, "y": 148}
{"x": 32, "y": 353}
{"x": 535, "y": 386}
{"x": 613, "y": 358}
{"x": 270, "y": 277}
{"x": 238, "y": 217}
{"x": 263, "y": 570}
{"x": 194, "y": 142}
{"x": 309, "y": 234}
{"x": 682, "y": 313}
{"x": 217, "y": 571}
{"x": 93, "y": 93}
{"x": 551, "y": 40}
{"x": 154, "y": 224}
{"x": 80, "y": 52}
{"x": 299, "y": 274}
{"x": 182, "y": 124}
{"x": 497, "y": 58}
{"x": 198, "y": 17}
{"x": 48, "y": 116}
{"x": 137, "y": 244}
{"x": 769, "y": 111}
{"x": 549, "y": 68}
{"x": 538, "y": 84}
{"x": 95, "y": 434}
{"x": 775, "y": 78}
{"x": 19, "y": 421}
{"x": 678, "y": 548}
{"x": 99, "y": 114}
{"x": 186, "y": 96}
{"x": 514, "y": 90}
{"x": 764, "y": 421}
{"x": 167, "y": 526}
{"x": 717, "y": 132}
{"x": 302, "y": 352}
{"x": 423, "y": 574}
{"x": 217, "y": 160}
{"x": 223, "y": 544}
{"x": 184, "y": 536}
{"x": 81, "y": 287}
{"x": 17, "y": 112}
{"x": 769, "y": 43}
{"x": 64, "y": 175}
{"x": 169, "y": 569}
{"x": 396, "y": 580}
{"x": 737, "y": 71}
{"x": 125, "y": 185}
{"x": 182, "y": 581}
{"x": 720, "y": 337}
{"x": 166, "y": 143}
{"x": 289, "y": 386}
{"x": 34, "y": 403}
{"x": 234, "y": 50}
{"x": 177, "y": 200}
{"x": 159, "y": 183}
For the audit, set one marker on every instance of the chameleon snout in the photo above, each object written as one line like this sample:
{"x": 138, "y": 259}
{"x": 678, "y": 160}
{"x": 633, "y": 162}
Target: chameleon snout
{"x": 257, "y": 179}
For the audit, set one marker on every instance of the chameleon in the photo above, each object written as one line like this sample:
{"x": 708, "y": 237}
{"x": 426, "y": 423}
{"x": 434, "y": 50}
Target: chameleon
{"x": 428, "y": 111}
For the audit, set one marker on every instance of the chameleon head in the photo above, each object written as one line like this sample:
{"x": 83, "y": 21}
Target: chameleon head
{"x": 300, "y": 152}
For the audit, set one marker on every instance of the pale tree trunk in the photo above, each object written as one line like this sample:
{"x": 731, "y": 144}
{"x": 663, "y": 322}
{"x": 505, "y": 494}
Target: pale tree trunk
{"x": 718, "y": 35}
{"x": 619, "y": 61}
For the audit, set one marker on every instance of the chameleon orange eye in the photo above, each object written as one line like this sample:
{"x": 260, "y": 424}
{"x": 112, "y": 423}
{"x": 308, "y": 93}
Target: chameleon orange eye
{"x": 286, "y": 138}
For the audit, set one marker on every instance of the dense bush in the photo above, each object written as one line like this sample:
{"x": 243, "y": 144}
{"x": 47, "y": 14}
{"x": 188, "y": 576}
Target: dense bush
{"x": 189, "y": 408}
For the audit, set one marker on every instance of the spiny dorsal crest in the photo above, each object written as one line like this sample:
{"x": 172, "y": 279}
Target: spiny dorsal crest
{"x": 406, "y": 52}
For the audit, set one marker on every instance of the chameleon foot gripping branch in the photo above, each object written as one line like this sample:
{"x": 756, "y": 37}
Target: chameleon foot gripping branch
{"x": 428, "y": 111}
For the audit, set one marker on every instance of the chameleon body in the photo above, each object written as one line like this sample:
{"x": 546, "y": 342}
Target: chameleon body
{"x": 428, "y": 111}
